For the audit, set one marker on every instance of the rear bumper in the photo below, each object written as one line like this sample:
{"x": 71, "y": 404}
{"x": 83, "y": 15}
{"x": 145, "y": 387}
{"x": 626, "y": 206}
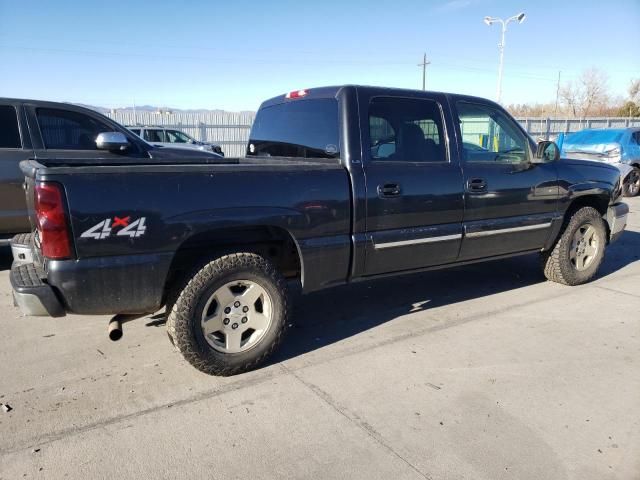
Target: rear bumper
{"x": 31, "y": 294}
{"x": 21, "y": 245}
{"x": 617, "y": 220}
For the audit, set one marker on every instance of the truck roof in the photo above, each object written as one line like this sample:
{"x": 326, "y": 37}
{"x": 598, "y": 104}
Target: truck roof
{"x": 333, "y": 91}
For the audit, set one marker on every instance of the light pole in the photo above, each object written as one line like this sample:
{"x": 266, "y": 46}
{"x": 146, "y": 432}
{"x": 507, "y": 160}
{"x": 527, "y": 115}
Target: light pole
{"x": 491, "y": 20}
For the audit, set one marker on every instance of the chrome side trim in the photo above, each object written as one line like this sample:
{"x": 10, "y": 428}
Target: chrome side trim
{"x": 417, "y": 241}
{"x": 486, "y": 233}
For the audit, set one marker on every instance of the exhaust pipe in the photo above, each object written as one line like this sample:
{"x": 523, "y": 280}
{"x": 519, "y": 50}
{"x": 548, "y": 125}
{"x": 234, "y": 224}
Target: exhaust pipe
{"x": 115, "y": 329}
{"x": 115, "y": 324}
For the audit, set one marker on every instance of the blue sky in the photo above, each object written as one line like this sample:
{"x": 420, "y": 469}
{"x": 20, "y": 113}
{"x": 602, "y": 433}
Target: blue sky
{"x": 233, "y": 54}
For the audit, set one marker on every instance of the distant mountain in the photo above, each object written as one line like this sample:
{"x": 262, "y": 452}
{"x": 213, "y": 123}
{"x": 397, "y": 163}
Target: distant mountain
{"x": 152, "y": 109}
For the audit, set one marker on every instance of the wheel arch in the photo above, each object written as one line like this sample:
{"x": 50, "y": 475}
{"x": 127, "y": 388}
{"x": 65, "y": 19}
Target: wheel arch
{"x": 272, "y": 242}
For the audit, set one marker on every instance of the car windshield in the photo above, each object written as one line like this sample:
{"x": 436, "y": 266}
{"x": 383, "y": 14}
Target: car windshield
{"x": 594, "y": 137}
{"x": 176, "y": 136}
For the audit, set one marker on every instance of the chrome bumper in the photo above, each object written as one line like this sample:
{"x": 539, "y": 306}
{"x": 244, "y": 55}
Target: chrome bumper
{"x": 21, "y": 248}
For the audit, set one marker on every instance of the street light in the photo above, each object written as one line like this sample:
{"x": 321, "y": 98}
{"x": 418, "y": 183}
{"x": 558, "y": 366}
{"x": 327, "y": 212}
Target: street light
{"x": 490, "y": 21}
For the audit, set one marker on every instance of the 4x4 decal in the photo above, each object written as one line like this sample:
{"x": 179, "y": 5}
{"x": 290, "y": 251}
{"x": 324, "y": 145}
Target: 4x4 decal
{"x": 106, "y": 227}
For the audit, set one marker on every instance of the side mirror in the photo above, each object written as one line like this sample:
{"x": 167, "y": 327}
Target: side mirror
{"x": 112, "y": 141}
{"x": 547, "y": 151}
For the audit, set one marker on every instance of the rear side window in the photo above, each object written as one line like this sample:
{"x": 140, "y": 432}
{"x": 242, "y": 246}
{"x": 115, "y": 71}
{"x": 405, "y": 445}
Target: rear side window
{"x": 135, "y": 130}
{"x": 67, "y": 130}
{"x": 302, "y": 128}
{"x": 406, "y": 130}
{"x": 154, "y": 136}
{"x": 9, "y": 133}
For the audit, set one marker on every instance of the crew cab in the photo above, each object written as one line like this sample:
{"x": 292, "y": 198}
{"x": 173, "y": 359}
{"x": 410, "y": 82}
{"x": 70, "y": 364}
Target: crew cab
{"x": 339, "y": 184}
{"x": 50, "y": 130}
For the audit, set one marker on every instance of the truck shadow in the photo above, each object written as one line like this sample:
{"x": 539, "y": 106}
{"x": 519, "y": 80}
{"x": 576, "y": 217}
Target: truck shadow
{"x": 323, "y": 318}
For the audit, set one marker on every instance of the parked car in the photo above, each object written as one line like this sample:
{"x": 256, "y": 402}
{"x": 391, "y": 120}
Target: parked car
{"x": 341, "y": 184}
{"x": 170, "y": 137}
{"x": 61, "y": 132}
{"x": 617, "y": 146}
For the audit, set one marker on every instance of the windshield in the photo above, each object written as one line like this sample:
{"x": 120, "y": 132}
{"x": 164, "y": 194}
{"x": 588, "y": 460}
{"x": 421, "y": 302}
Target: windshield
{"x": 176, "y": 136}
{"x": 594, "y": 137}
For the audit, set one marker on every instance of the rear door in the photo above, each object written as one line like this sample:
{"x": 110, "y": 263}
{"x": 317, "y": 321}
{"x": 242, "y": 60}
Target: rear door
{"x": 14, "y": 147}
{"x": 510, "y": 203}
{"x": 414, "y": 202}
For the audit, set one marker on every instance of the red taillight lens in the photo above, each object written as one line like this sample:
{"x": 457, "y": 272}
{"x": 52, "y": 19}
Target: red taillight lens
{"x": 52, "y": 221}
{"x": 296, "y": 94}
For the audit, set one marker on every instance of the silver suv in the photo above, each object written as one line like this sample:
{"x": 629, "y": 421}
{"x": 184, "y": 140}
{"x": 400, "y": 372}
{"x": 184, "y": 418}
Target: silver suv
{"x": 170, "y": 137}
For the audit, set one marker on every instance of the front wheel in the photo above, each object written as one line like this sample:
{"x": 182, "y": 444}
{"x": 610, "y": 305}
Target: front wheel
{"x": 579, "y": 250}
{"x": 631, "y": 185}
{"x": 231, "y": 315}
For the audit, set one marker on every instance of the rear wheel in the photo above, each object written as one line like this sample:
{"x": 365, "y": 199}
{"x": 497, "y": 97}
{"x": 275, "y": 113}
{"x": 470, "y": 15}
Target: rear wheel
{"x": 231, "y": 315}
{"x": 631, "y": 185}
{"x": 579, "y": 250}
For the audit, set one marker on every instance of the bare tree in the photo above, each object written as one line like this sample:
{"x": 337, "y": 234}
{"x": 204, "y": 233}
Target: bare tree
{"x": 634, "y": 91}
{"x": 569, "y": 96}
{"x": 588, "y": 93}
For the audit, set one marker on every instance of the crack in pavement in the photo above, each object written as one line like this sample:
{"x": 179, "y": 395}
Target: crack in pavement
{"x": 352, "y": 418}
{"x": 617, "y": 291}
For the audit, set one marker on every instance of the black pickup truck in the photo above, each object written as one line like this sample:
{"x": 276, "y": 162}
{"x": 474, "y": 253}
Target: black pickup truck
{"x": 339, "y": 184}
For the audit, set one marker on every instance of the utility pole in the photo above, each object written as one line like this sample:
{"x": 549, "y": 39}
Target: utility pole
{"x": 555, "y": 111}
{"x": 424, "y": 70}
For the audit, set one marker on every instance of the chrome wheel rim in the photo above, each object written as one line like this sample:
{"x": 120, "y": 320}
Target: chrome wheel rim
{"x": 584, "y": 247}
{"x": 237, "y": 316}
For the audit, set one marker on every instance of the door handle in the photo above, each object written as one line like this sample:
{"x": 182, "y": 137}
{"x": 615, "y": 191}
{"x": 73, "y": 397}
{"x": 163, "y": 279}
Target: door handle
{"x": 389, "y": 190}
{"x": 475, "y": 185}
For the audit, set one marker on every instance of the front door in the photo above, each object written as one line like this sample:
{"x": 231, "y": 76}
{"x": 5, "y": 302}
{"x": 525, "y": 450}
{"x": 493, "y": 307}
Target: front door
{"x": 414, "y": 186}
{"x": 510, "y": 203}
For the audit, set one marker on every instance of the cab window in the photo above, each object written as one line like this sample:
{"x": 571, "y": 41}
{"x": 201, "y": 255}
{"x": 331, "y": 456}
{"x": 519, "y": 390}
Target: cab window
{"x": 488, "y": 135}
{"x": 299, "y": 128}
{"x": 406, "y": 130}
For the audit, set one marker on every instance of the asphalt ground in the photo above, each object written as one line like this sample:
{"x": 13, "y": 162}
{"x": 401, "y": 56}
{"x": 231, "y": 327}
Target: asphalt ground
{"x": 479, "y": 372}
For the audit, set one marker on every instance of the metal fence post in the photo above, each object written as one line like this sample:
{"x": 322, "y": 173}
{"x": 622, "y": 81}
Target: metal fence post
{"x": 547, "y": 128}
{"x": 203, "y": 132}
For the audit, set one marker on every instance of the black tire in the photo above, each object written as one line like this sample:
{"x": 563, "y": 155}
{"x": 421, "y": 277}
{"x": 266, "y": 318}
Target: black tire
{"x": 183, "y": 321}
{"x": 557, "y": 264}
{"x": 631, "y": 185}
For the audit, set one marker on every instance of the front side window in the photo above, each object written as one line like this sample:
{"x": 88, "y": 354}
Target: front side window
{"x": 154, "y": 135}
{"x": 299, "y": 128}
{"x": 9, "y": 133}
{"x": 488, "y": 135}
{"x": 135, "y": 130}
{"x": 406, "y": 130}
{"x": 67, "y": 130}
{"x": 176, "y": 136}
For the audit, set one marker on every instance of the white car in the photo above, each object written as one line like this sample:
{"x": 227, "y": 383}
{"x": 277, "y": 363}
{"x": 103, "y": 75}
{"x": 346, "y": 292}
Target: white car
{"x": 170, "y": 137}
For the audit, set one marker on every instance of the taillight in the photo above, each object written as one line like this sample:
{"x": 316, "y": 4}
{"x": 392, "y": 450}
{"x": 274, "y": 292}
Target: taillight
{"x": 296, "y": 94}
{"x": 52, "y": 221}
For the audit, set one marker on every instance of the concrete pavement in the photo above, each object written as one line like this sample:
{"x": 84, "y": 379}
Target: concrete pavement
{"x": 481, "y": 372}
